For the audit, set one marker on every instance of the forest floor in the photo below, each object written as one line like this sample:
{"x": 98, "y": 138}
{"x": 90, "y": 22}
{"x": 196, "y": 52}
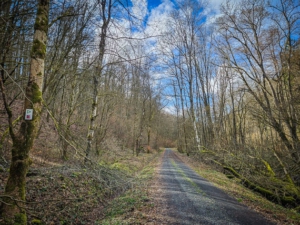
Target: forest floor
{"x": 72, "y": 192}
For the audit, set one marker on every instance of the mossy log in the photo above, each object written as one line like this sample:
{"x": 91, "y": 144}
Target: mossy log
{"x": 268, "y": 167}
{"x": 231, "y": 170}
{"x": 268, "y": 194}
{"x": 229, "y": 176}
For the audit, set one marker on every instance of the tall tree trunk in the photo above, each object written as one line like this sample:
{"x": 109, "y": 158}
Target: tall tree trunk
{"x": 177, "y": 105}
{"x": 184, "y": 123}
{"x": 148, "y": 138}
{"x": 106, "y": 7}
{"x": 92, "y": 127}
{"x": 234, "y": 130}
{"x": 13, "y": 207}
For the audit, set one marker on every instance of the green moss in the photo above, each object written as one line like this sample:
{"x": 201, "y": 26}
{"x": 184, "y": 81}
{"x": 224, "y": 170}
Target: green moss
{"x": 288, "y": 200}
{"x": 22, "y": 191}
{"x": 36, "y": 222}
{"x": 284, "y": 200}
{"x": 20, "y": 219}
{"x": 230, "y": 169}
{"x": 38, "y": 49}
{"x": 41, "y": 22}
{"x": 30, "y": 161}
{"x": 121, "y": 167}
{"x": 267, "y": 193}
{"x": 36, "y": 93}
{"x": 269, "y": 168}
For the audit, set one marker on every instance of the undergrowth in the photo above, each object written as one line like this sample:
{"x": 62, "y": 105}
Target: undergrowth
{"x": 126, "y": 209}
{"x": 81, "y": 194}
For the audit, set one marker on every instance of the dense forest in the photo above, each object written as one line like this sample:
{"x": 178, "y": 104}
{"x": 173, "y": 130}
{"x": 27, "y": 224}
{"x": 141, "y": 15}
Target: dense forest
{"x": 82, "y": 81}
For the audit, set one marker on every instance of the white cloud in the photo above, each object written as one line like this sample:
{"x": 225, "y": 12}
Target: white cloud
{"x": 170, "y": 109}
{"x": 213, "y": 9}
{"x": 155, "y": 26}
{"x": 139, "y": 9}
{"x": 157, "y": 21}
{"x": 214, "y": 5}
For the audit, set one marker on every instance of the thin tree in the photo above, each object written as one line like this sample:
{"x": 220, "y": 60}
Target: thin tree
{"x": 106, "y": 14}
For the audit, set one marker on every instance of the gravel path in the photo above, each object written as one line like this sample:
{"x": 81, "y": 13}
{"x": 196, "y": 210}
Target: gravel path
{"x": 190, "y": 199}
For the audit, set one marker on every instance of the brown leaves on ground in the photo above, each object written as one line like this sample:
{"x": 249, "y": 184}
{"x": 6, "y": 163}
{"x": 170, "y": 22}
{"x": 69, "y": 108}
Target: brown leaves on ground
{"x": 63, "y": 195}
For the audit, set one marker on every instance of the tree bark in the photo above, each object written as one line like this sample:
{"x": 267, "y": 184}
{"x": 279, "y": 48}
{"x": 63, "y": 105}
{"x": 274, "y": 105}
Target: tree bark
{"x": 106, "y": 7}
{"x": 13, "y": 206}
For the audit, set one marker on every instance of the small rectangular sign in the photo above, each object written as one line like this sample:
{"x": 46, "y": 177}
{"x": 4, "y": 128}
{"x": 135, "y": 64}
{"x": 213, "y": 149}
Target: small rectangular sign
{"x": 28, "y": 114}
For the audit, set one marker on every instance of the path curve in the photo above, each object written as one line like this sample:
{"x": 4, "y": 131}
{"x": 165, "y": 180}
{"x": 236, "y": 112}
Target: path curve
{"x": 190, "y": 199}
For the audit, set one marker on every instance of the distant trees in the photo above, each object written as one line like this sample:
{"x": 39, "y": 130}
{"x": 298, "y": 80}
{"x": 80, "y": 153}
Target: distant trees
{"x": 67, "y": 67}
{"x": 188, "y": 56}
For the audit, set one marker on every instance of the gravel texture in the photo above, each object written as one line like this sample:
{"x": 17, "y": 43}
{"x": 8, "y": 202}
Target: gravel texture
{"x": 190, "y": 199}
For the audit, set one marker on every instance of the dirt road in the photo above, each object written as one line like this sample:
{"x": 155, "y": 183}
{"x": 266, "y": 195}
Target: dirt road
{"x": 190, "y": 199}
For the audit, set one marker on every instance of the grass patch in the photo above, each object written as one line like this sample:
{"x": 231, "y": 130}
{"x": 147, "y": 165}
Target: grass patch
{"x": 125, "y": 209}
{"x": 122, "y": 209}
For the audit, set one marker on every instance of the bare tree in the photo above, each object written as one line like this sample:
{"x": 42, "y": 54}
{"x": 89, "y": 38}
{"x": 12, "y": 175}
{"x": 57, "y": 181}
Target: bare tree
{"x": 105, "y": 8}
{"x": 250, "y": 49}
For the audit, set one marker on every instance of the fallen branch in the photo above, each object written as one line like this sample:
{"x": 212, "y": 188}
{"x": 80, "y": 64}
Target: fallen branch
{"x": 268, "y": 194}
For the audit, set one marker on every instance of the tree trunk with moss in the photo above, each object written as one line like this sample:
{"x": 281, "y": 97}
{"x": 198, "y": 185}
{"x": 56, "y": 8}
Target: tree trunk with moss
{"x": 13, "y": 206}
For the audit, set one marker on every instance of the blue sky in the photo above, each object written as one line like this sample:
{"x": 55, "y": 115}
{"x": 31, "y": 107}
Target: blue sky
{"x": 153, "y": 4}
{"x": 150, "y": 8}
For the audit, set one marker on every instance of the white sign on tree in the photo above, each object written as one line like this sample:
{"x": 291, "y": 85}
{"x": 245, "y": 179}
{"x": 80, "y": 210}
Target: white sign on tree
{"x": 28, "y": 114}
